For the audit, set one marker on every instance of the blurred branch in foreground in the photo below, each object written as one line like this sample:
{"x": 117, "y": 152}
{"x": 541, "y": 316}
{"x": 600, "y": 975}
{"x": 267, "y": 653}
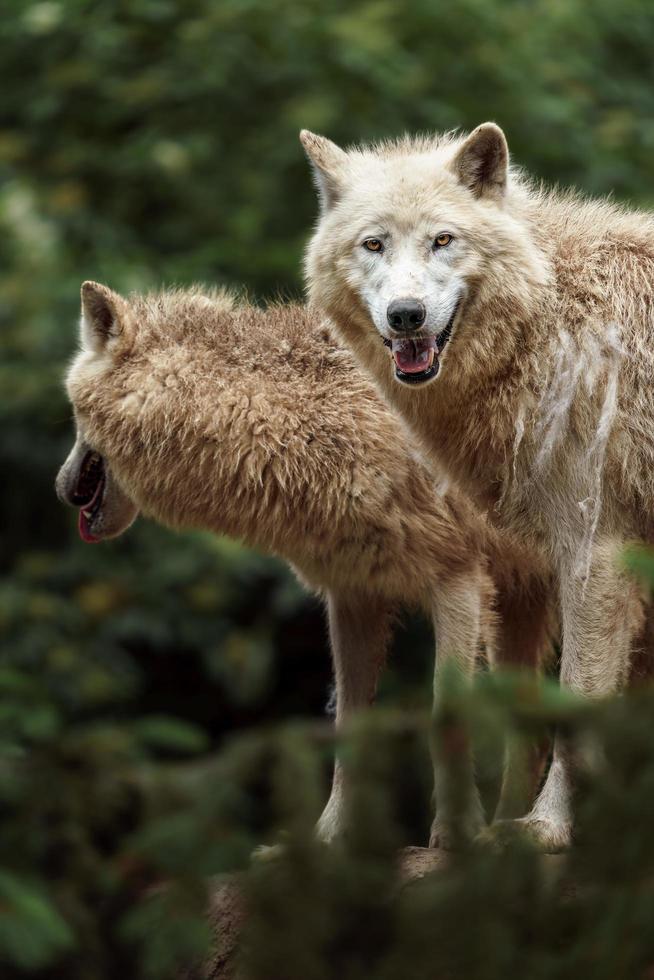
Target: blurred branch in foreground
{"x": 109, "y": 849}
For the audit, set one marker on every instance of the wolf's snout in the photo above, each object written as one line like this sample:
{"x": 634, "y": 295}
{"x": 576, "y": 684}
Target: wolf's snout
{"x": 406, "y": 314}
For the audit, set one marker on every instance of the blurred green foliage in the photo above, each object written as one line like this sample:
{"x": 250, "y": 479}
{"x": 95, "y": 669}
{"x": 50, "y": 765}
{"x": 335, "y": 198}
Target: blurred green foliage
{"x": 109, "y": 850}
{"x": 488, "y": 913}
{"x": 155, "y": 141}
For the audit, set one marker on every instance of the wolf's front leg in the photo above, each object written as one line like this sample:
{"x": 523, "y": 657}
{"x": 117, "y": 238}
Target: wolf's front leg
{"x": 601, "y": 618}
{"x": 359, "y": 630}
{"x": 460, "y": 615}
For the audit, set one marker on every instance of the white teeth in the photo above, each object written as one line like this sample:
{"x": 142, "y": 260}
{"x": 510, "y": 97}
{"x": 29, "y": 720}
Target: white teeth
{"x": 88, "y": 514}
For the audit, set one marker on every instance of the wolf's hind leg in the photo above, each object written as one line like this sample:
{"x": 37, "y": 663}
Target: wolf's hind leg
{"x": 461, "y": 615}
{"x": 360, "y": 627}
{"x": 601, "y": 618}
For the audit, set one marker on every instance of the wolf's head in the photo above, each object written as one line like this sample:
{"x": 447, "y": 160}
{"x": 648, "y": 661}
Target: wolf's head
{"x": 85, "y": 480}
{"x": 413, "y": 238}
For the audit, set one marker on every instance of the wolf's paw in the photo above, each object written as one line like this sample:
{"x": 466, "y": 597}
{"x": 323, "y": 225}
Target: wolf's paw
{"x": 449, "y": 837}
{"x": 549, "y": 836}
{"x": 546, "y": 835}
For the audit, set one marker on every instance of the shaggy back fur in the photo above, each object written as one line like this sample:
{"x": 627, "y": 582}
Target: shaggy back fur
{"x": 253, "y": 423}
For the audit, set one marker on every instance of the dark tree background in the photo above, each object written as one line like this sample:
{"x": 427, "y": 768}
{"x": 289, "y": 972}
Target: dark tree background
{"x": 150, "y": 142}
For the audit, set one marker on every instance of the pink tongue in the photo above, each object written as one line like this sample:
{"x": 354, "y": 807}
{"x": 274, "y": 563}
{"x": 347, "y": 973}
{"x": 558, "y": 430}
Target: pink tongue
{"x": 413, "y": 356}
{"x": 85, "y": 531}
{"x": 83, "y": 521}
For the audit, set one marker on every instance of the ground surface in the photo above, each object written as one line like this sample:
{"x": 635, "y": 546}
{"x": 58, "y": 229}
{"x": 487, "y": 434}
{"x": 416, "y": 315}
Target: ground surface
{"x": 227, "y": 912}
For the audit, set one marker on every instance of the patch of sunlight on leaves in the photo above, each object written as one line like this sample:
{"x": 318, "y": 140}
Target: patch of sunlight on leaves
{"x": 43, "y": 18}
{"x": 100, "y": 598}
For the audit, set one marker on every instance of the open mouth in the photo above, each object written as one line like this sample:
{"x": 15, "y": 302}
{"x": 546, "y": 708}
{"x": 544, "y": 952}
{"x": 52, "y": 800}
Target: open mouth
{"x": 417, "y": 359}
{"x": 88, "y": 494}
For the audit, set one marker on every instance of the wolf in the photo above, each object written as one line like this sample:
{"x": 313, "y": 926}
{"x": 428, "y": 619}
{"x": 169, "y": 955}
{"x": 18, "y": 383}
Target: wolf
{"x": 201, "y": 412}
{"x": 510, "y": 327}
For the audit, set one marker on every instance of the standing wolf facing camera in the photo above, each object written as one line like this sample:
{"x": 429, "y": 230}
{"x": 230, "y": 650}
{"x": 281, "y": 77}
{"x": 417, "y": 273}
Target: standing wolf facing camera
{"x": 511, "y": 328}
{"x": 202, "y": 412}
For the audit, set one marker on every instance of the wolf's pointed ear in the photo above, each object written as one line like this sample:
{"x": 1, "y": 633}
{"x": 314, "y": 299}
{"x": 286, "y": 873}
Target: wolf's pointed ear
{"x": 328, "y": 163}
{"x": 103, "y": 315}
{"x": 482, "y": 162}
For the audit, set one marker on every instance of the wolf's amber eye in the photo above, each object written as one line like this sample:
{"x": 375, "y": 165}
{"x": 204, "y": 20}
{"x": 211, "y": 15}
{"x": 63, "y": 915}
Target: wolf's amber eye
{"x": 442, "y": 240}
{"x": 373, "y": 245}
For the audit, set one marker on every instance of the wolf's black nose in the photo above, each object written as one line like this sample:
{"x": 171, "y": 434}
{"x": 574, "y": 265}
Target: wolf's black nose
{"x": 406, "y": 314}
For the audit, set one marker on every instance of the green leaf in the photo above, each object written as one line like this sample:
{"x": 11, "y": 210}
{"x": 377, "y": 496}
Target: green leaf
{"x": 32, "y": 932}
{"x": 171, "y": 734}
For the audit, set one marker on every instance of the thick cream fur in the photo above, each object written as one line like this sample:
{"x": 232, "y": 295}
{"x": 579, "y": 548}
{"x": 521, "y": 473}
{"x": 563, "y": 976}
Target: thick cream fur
{"x": 543, "y": 408}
